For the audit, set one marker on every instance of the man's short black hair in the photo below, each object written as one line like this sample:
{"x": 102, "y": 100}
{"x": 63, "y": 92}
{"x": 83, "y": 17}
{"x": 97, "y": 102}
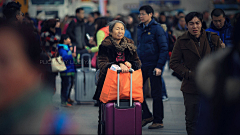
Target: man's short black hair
{"x": 92, "y": 14}
{"x": 63, "y": 37}
{"x": 97, "y": 13}
{"x": 147, "y": 8}
{"x": 11, "y": 10}
{"x": 78, "y": 10}
{"x": 162, "y": 13}
{"x": 180, "y": 12}
{"x": 204, "y": 12}
{"x": 217, "y": 12}
{"x": 191, "y": 15}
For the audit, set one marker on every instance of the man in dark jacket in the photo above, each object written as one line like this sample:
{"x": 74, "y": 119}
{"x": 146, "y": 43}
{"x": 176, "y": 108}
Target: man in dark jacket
{"x": 152, "y": 51}
{"x": 76, "y": 31}
{"x": 189, "y": 49}
{"x": 222, "y": 26}
{"x": 90, "y": 28}
{"x": 12, "y": 12}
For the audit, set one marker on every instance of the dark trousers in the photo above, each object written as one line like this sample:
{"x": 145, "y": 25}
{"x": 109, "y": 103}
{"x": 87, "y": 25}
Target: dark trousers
{"x": 71, "y": 85}
{"x": 156, "y": 93}
{"x": 164, "y": 91}
{"x": 49, "y": 78}
{"x": 65, "y": 86}
{"x": 191, "y": 102}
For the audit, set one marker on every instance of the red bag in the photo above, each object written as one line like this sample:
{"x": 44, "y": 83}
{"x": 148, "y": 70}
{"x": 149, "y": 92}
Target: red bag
{"x": 94, "y": 60}
{"x": 109, "y": 90}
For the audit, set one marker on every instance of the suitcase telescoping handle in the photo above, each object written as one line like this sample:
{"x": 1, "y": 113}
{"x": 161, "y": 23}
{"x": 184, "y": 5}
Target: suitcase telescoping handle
{"x": 89, "y": 60}
{"x": 118, "y": 96}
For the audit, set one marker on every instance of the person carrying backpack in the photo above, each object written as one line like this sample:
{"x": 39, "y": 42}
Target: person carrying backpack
{"x": 188, "y": 51}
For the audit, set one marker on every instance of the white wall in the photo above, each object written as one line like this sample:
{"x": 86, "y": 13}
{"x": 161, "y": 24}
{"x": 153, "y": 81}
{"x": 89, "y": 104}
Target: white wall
{"x": 116, "y": 6}
{"x": 196, "y": 5}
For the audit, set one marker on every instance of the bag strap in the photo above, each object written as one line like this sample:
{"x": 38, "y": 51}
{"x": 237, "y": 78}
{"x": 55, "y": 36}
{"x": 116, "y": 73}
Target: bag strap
{"x": 75, "y": 20}
{"x": 210, "y": 41}
{"x": 43, "y": 48}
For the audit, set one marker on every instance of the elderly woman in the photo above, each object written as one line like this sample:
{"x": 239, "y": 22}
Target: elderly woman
{"x": 116, "y": 49}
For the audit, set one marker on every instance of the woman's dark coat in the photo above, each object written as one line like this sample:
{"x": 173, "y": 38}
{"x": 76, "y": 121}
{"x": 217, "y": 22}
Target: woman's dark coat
{"x": 107, "y": 56}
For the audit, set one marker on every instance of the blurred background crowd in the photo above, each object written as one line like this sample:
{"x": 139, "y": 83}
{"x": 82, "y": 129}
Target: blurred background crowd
{"x": 80, "y": 24}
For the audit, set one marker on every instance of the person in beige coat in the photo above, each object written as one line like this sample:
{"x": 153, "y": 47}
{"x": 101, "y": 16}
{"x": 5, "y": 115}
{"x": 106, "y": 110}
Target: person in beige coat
{"x": 188, "y": 51}
{"x": 180, "y": 28}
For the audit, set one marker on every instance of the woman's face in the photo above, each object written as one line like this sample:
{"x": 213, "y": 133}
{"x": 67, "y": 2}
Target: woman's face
{"x": 118, "y": 31}
{"x": 130, "y": 20}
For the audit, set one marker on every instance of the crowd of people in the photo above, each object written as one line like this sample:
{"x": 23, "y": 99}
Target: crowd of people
{"x": 143, "y": 41}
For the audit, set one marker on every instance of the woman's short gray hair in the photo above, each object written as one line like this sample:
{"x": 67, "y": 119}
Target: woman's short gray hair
{"x": 112, "y": 24}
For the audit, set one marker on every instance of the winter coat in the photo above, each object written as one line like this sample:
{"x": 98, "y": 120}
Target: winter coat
{"x": 76, "y": 32}
{"x": 224, "y": 33}
{"x": 107, "y": 56}
{"x": 185, "y": 57}
{"x": 50, "y": 40}
{"x": 66, "y": 54}
{"x": 179, "y": 31}
{"x": 49, "y": 48}
{"x": 127, "y": 34}
{"x": 152, "y": 45}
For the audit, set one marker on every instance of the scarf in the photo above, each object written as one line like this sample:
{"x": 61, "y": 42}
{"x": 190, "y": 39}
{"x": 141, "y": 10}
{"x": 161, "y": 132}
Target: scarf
{"x": 123, "y": 45}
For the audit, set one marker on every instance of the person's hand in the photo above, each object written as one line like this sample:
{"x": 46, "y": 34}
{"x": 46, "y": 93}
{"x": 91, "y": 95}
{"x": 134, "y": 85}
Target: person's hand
{"x": 124, "y": 68}
{"x": 74, "y": 55}
{"x": 128, "y": 64}
{"x": 158, "y": 71}
{"x": 89, "y": 51}
{"x": 71, "y": 48}
{"x": 91, "y": 41}
{"x": 223, "y": 45}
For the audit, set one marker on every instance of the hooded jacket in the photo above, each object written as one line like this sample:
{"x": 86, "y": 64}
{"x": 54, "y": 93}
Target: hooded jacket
{"x": 152, "y": 47}
{"x": 224, "y": 33}
{"x": 66, "y": 54}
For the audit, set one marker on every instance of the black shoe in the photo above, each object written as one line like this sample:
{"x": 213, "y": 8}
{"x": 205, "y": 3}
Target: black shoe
{"x": 96, "y": 103}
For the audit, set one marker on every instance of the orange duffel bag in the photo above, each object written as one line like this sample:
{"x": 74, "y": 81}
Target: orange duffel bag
{"x": 109, "y": 90}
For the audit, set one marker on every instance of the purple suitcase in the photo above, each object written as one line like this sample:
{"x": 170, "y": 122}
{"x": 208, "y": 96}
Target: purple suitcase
{"x": 123, "y": 117}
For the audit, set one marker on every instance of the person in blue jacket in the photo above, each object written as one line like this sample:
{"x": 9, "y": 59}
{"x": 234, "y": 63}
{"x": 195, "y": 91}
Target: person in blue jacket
{"x": 222, "y": 26}
{"x": 152, "y": 50}
{"x": 67, "y": 76}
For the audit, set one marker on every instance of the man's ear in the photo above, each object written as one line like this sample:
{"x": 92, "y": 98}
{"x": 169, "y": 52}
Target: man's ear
{"x": 151, "y": 14}
{"x": 17, "y": 17}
